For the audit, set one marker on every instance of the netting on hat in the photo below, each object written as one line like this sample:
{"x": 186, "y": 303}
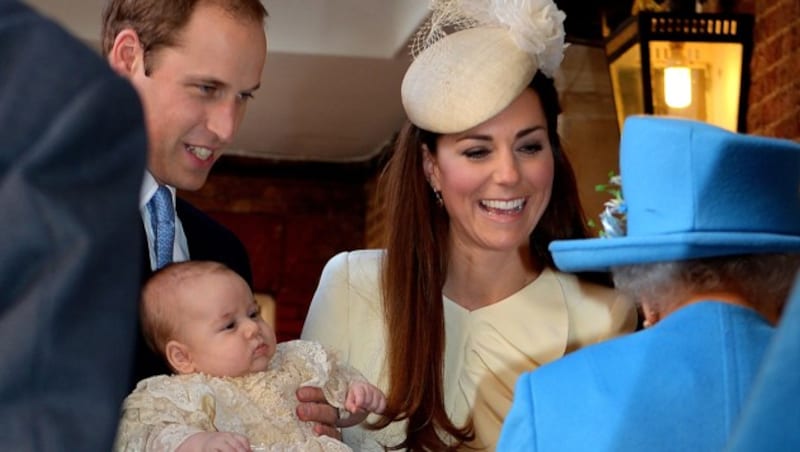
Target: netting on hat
{"x": 537, "y": 26}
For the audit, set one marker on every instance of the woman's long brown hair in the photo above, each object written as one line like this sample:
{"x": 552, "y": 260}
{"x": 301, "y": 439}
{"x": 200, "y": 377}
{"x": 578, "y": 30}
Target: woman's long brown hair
{"x": 414, "y": 271}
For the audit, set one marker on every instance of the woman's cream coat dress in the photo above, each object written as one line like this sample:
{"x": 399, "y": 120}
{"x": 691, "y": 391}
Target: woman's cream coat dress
{"x": 487, "y": 349}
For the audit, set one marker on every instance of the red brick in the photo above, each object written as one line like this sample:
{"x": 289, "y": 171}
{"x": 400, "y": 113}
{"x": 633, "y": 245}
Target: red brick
{"x": 777, "y": 18}
{"x": 789, "y": 127}
{"x": 758, "y": 61}
{"x": 755, "y": 121}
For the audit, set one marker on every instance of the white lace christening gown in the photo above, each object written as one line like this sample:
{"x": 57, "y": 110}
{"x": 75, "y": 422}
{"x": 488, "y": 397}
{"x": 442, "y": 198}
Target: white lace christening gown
{"x": 165, "y": 410}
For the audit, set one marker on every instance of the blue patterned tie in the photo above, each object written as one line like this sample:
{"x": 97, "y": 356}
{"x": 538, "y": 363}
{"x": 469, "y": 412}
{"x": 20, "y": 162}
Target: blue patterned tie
{"x": 162, "y": 219}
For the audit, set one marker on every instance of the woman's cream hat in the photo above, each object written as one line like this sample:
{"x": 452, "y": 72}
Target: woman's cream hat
{"x": 461, "y": 79}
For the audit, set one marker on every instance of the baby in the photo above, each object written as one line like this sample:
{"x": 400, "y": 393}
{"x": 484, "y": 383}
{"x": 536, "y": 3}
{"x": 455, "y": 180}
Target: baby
{"x": 234, "y": 387}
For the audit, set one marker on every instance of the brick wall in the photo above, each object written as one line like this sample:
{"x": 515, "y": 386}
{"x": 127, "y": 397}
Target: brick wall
{"x": 774, "y": 101}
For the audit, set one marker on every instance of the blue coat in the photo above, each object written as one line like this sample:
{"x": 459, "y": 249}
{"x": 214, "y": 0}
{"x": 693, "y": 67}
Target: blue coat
{"x": 677, "y": 386}
{"x": 771, "y": 417}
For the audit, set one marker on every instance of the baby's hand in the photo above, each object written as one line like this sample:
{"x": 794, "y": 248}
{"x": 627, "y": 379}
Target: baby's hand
{"x": 215, "y": 441}
{"x": 363, "y": 397}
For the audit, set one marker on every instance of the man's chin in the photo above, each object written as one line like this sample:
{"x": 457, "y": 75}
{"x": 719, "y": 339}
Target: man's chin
{"x": 192, "y": 183}
{"x": 191, "y": 187}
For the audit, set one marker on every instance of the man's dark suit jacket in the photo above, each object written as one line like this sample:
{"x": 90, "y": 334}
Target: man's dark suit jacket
{"x": 72, "y": 155}
{"x": 207, "y": 240}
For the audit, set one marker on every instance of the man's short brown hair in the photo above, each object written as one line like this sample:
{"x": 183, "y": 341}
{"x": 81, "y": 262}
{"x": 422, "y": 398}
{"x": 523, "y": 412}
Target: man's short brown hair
{"x": 158, "y": 22}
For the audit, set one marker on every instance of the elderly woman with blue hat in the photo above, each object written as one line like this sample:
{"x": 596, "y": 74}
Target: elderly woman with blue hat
{"x": 711, "y": 247}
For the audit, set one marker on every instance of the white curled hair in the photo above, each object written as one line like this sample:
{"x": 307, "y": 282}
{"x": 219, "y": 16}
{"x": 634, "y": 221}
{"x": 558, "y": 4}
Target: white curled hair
{"x": 537, "y": 26}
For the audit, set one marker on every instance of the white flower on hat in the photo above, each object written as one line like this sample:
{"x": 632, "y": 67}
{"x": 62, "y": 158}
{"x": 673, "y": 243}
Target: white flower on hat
{"x": 614, "y": 217}
{"x": 537, "y": 26}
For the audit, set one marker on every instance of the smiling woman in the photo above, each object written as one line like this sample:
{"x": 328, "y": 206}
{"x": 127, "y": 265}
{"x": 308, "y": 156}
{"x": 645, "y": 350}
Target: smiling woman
{"x": 495, "y": 179}
{"x": 465, "y": 297}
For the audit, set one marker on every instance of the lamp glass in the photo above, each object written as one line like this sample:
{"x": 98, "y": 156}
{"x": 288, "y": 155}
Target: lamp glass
{"x": 665, "y": 57}
{"x": 626, "y": 82}
{"x": 714, "y": 70}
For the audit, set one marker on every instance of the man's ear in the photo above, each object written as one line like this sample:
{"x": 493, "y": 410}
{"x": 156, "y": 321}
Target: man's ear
{"x": 178, "y": 357}
{"x": 126, "y": 54}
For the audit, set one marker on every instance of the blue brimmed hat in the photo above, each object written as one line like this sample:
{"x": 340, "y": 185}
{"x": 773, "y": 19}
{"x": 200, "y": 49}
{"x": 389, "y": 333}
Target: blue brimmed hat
{"x": 693, "y": 190}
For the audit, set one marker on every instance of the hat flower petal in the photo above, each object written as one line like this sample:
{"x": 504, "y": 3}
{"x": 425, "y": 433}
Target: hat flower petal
{"x": 613, "y": 218}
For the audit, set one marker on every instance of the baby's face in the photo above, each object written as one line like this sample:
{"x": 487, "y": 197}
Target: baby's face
{"x": 222, "y": 328}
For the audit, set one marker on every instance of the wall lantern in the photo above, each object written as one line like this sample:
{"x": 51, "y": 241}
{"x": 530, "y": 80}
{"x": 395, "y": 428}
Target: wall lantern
{"x": 678, "y": 64}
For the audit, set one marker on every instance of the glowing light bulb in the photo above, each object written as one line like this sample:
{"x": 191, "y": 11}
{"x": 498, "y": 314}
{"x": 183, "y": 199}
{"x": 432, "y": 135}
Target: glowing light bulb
{"x": 678, "y": 86}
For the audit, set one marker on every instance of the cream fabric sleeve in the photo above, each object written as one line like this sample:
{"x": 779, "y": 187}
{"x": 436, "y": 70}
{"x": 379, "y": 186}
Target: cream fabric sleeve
{"x": 346, "y": 316}
{"x": 553, "y": 315}
{"x": 597, "y": 313}
{"x": 162, "y": 412}
{"x": 328, "y": 318}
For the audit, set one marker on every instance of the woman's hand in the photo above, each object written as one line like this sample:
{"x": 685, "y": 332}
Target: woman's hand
{"x": 314, "y": 408}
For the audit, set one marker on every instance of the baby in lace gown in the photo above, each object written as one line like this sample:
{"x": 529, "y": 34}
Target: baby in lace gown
{"x": 234, "y": 387}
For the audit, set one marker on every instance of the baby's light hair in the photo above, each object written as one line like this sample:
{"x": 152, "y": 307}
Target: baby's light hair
{"x": 161, "y": 297}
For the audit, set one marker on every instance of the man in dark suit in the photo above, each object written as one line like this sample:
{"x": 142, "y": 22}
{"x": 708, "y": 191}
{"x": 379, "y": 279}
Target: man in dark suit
{"x": 194, "y": 87}
{"x": 71, "y": 163}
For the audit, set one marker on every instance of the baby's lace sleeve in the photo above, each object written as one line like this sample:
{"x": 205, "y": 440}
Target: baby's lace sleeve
{"x": 162, "y": 412}
{"x": 326, "y": 371}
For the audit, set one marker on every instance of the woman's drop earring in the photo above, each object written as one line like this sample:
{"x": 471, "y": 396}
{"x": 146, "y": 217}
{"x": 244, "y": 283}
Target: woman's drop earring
{"x": 438, "y": 195}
